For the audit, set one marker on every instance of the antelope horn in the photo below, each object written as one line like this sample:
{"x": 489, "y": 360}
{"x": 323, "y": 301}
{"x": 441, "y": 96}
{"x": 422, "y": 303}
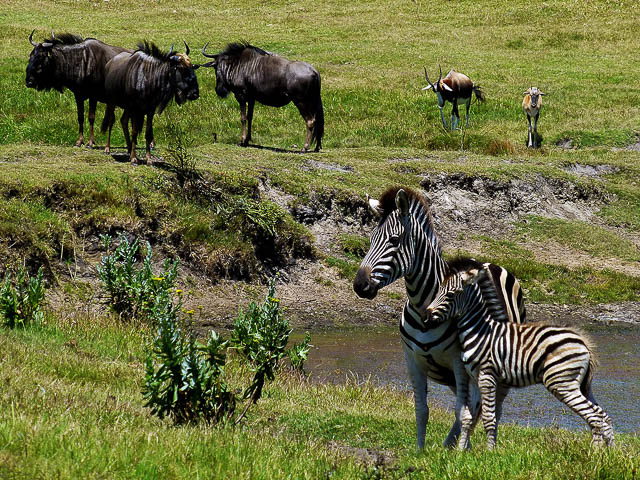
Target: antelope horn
{"x": 206, "y": 54}
{"x": 171, "y": 49}
{"x": 53, "y": 37}
{"x": 187, "y": 47}
{"x": 440, "y": 78}
{"x": 31, "y": 38}
{"x": 427, "y": 77}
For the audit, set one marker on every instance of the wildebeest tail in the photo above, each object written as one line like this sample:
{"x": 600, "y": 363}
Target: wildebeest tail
{"x": 109, "y": 119}
{"x": 318, "y": 127}
{"x": 479, "y": 93}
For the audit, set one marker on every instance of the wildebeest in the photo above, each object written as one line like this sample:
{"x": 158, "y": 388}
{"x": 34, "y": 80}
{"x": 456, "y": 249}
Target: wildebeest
{"x": 68, "y": 61}
{"x": 253, "y": 74}
{"x": 454, "y": 86}
{"x": 531, "y": 104}
{"x": 143, "y": 82}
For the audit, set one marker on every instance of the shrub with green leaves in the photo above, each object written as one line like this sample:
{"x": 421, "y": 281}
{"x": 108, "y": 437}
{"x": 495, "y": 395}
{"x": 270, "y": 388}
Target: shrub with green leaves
{"x": 132, "y": 291}
{"x": 185, "y": 380}
{"x": 20, "y": 300}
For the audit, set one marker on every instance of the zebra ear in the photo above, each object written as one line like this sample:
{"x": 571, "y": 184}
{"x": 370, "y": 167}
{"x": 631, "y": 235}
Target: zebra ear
{"x": 402, "y": 202}
{"x": 374, "y": 206}
{"x": 470, "y": 276}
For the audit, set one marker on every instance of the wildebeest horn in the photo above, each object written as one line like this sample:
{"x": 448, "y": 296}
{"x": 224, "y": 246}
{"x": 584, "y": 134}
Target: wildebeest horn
{"x": 171, "y": 49}
{"x": 53, "y": 37}
{"x": 206, "y": 54}
{"x": 440, "y": 78}
{"x": 31, "y": 38}
{"x": 187, "y": 47}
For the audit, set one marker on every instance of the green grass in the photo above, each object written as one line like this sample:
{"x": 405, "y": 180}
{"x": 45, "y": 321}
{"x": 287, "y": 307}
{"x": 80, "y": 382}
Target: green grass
{"x": 371, "y": 83}
{"x": 580, "y": 236}
{"x": 80, "y": 415}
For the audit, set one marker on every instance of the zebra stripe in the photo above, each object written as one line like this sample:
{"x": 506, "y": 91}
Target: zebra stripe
{"x": 405, "y": 244}
{"x": 503, "y": 353}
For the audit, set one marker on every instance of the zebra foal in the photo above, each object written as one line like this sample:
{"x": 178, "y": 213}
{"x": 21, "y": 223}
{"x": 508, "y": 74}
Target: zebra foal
{"x": 497, "y": 353}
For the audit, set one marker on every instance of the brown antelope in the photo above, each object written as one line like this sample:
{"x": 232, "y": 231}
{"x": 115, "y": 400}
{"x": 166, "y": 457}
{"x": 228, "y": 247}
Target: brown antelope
{"x": 454, "y": 86}
{"x": 531, "y": 105}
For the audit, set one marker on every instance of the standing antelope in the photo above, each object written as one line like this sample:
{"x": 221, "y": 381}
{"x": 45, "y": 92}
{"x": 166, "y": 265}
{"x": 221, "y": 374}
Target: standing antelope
{"x": 531, "y": 105}
{"x": 454, "y": 86}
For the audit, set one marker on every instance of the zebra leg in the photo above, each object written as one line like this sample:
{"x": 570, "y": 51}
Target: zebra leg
{"x": 501, "y": 394}
{"x": 488, "y": 387}
{"x": 596, "y": 418}
{"x": 418, "y": 376}
{"x": 469, "y": 415}
{"x": 463, "y": 414}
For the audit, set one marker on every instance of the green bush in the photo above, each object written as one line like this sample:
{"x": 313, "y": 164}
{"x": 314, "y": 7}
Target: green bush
{"x": 185, "y": 380}
{"x": 20, "y": 300}
{"x": 132, "y": 291}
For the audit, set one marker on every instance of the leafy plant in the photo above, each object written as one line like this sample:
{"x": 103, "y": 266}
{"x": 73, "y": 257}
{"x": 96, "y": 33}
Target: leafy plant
{"x": 181, "y": 161}
{"x": 132, "y": 291}
{"x": 186, "y": 380}
{"x": 298, "y": 354}
{"x": 20, "y": 300}
{"x": 183, "y": 379}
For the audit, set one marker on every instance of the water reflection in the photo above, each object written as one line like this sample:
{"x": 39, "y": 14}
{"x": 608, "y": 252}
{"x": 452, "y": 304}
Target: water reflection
{"x": 377, "y": 354}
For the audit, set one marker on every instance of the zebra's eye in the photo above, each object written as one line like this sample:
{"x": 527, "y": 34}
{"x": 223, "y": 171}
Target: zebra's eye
{"x": 394, "y": 240}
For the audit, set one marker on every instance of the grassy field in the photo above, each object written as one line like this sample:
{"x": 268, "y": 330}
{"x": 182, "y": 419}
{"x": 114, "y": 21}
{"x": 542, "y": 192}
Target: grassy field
{"x": 70, "y": 401}
{"x": 71, "y": 407}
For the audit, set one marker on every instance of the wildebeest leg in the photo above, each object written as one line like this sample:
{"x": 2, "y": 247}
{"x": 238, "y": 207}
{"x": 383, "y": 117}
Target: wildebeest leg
{"x": 136, "y": 127}
{"x": 109, "y": 119}
{"x": 309, "y": 120}
{"x": 92, "y": 118}
{"x": 530, "y": 137}
{"x": 243, "y": 121}
{"x": 149, "y": 137}
{"x": 535, "y": 131}
{"x": 124, "y": 122}
{"x": 249, "y": 120}
{"x": 80, "y": 105}
{"x": 454, "y": 115}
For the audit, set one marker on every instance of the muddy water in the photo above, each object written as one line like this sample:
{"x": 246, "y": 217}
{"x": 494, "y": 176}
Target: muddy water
{"x": 376, "y": 354}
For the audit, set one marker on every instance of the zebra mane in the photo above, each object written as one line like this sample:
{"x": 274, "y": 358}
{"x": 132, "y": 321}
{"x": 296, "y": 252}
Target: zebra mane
{"x": 234, "y": 49}
{"x": 388, "y": 201}
{"x": 152, "y": 50}
{"x": 65, "y": 39}
{"x": 492, "y": 301}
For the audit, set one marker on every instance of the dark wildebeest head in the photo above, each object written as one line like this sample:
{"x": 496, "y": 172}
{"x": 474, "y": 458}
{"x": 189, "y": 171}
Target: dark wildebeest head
{"x": 68, "y": 61}
{"x": 253, "y": 74}
{"x": 41, "y": 70}
{"x": 143, "y": 83}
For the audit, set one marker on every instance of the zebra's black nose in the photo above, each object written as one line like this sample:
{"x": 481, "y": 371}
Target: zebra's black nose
{"x": 363, "y": 285}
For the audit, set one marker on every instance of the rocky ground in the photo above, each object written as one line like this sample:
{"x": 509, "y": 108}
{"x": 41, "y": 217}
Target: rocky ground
{"x": 316, "y": 296}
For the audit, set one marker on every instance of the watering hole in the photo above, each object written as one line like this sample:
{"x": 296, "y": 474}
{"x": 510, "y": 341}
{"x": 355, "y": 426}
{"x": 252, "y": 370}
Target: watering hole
{"x": 376, "y": 354}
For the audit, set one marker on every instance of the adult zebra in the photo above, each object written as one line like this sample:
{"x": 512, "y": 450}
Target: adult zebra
{"x": 496, "y": 352}
{"x": 404, "y": 244}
